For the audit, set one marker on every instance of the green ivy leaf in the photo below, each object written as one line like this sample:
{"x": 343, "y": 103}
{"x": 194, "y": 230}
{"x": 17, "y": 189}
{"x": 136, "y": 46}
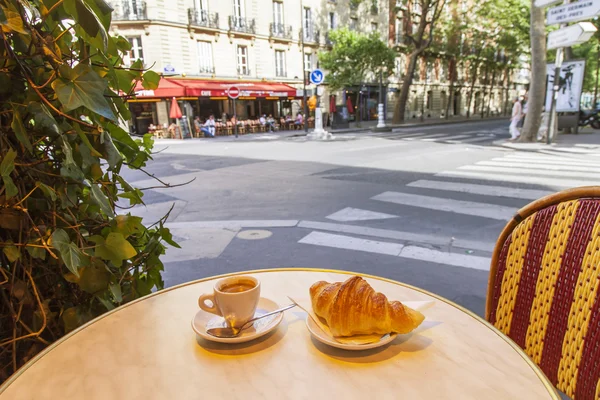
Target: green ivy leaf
{"x": 134, "y": 197}
{"x": 101, "y": 200}
{"x": 11, "y": 252}
{"x": 10, "y": 19}
{"x": 42, "y": 117}
{"x": 47, "y": 190}
{"x": 94, "y": 278}
{"x": 11, "y": 189}
{"x": 167, "y": 236}
{"x": 36, "y": 252}
{"x": 19, "y": 129}
{"x": 81, "y": 86}
{"x": 69, "y": 252}
{"x": 125, "y": 79}
{"x": 128, "y": 225}
{"x": 150, "y": 80}
{"x": 8, "y": 163}
{"x": 115, "y": 289}
{"x": 86, "y": 141}
{"x": 114, "y": 248}
{"x": 113, "y": 157}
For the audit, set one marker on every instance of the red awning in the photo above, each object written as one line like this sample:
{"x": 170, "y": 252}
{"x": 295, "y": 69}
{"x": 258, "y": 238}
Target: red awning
{"x": 169, "y": 87}
{"x": 166, "y": 88}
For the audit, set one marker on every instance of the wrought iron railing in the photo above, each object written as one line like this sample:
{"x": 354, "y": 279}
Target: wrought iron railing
{"x": 130, "y": 10}
{"x": 328, "y": 40}
{"x": 203, "y": 18}
{"x": 310, "y": 35}
{"x": 281, "y": 31}
{"x": 206, "y": 69}
{"x": 243, "y": 25}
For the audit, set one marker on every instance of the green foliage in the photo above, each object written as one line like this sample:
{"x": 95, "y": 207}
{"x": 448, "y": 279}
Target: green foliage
{"x": 354, "y": 56}
{"x": 66, "y": 257}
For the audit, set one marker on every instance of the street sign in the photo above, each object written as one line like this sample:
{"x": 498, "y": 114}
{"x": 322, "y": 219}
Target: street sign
{"x": 233, "y": 92}
{"x": 317, "y": 76}
{"x": 571, "y": 35}
{"x": 169, "y": 69}
{"x": 546, "y": 3}
{"x": 573, "y": 12}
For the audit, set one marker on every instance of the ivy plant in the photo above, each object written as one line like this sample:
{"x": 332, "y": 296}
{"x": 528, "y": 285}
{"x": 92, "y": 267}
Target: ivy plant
{"x": 69, "y": 248}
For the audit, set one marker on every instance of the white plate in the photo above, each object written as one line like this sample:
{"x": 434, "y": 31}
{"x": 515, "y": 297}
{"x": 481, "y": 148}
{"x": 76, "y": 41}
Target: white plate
{"x": 203, "y": 321}
{"x": 323, "y": 337}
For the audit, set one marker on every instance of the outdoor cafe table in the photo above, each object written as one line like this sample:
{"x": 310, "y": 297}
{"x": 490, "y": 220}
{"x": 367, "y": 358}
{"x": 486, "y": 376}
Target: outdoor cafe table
{"x": 148, "y": 350}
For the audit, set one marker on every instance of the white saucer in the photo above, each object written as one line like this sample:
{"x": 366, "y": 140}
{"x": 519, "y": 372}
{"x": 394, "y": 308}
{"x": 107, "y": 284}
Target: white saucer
{"x": 323, "y": 337}
{"x": 203, "y": 321}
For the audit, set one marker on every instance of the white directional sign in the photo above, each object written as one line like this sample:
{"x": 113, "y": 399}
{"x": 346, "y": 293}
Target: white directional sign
{"x": 571, "y": 35}
{"x": 582, "y": 10}
{"x": 546, "y": 3}
{"x": 317, "y": 76}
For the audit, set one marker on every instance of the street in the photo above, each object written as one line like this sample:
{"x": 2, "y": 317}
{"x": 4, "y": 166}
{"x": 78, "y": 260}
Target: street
{"x": 422, "y": 205}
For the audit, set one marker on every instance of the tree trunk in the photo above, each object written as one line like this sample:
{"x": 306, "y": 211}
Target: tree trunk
{"x": 450, "y": 96}
{"x": 470, "y": 97}
{"x": 400, "y": 108}
{"x": 484, "y": 90}
{"x": 537, "y": 86}
{"x": 491, "y": 91}
{"x": 358, "y": 108}
{"x": 505, "y": 106}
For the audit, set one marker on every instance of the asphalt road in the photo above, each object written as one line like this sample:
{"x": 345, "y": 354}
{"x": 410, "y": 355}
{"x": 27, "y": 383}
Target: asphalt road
{"x": 425, "y": 212}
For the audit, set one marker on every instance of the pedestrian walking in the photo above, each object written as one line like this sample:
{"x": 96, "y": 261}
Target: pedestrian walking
{"x": 524, "y": 112}
{"x": 514, "y": 119}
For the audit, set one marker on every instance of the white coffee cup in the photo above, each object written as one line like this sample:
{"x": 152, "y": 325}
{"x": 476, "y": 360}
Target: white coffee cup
{"x": 234, "y": 298}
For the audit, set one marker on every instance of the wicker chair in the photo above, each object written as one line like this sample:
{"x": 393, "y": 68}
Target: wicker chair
{"x": 544, "y": 287}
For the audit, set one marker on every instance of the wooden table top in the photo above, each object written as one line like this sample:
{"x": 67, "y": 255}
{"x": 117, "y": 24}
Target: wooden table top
{"x": 147, "y": 350}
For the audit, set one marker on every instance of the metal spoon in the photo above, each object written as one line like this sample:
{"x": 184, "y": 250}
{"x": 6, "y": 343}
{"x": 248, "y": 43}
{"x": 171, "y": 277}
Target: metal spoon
{"x": 231, "y": 332}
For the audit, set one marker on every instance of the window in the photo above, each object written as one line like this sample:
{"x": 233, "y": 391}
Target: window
{"x": 308, "y": 61}
{"x": 399, "y": 31}
{"x": 278, "y": 14}
{"x": 279, "y": 63}
{"x": 332, "y": 21}
{"x": 373, "y": 26}
{"x": 205, "y": 60}
{"x": 354, "y": 23}
{"x": 242, "y": 60}
{"x": 238, "y": 8}
{"x": 416, "y": 7}
{"x": 135, "y": 53}
{"x": 307, "y": 23}
{"x": 415, "y": 24}
{"x": 133, "y": 9}
{"x": 201, "y": 5}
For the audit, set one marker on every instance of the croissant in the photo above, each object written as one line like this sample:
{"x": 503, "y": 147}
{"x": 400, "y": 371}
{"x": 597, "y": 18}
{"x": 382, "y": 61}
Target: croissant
{"x": 354, "y": 308}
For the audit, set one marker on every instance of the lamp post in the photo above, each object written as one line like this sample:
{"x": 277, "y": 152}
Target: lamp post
{"x": 304, "y": 102}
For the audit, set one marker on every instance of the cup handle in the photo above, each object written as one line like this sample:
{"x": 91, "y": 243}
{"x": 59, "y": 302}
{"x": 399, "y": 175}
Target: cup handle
{"x": 202, "y": 304}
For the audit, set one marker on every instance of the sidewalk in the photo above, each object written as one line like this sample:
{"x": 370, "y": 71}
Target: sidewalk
{"x": 587, "y": 138}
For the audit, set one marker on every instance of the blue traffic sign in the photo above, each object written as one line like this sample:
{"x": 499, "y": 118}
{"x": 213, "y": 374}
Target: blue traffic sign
{"x": 317, "y": 76}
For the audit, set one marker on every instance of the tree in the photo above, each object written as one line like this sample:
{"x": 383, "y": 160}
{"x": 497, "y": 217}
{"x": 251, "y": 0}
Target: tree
{"x": 537, "y": 83}
{"x": 425, "y": 16}
{"x": 356, "y": 57}
{"x": 66, "y": 256}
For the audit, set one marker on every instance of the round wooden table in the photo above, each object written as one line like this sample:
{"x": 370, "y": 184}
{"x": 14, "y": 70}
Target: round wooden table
{"x": 147, "y": 350}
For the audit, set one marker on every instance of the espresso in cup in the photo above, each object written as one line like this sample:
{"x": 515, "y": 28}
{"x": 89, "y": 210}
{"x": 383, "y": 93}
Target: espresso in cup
{"x": 234, "y": 298}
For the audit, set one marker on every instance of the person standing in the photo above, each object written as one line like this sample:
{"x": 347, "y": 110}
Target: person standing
{"x": 514, "y": 119}
{"x": 209, "y": 127}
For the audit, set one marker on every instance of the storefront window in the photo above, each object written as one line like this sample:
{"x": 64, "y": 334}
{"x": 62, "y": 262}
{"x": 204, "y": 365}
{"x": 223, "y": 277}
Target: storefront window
{"x": 142, "y": 116}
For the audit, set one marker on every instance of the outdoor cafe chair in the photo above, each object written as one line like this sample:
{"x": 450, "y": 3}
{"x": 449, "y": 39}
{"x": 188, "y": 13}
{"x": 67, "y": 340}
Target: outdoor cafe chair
{"x": 544, "y": 287}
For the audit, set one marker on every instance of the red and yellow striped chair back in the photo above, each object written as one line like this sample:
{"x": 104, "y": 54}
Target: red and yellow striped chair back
{"x": 544, "y": 288}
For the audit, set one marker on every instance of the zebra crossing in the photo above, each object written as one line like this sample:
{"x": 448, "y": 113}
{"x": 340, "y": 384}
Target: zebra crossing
{"x": 492, "y": 191}
{"x": 472, "y": 137}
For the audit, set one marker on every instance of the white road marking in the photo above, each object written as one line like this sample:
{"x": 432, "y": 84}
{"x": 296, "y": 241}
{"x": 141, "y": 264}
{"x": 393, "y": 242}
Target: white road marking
{"x": 454, "y": 206}
{"x": 351, "y": 243}
{"x": 496, "y": 191}
{"x": 571, "y": 150}
{"x": 552, "y": 183}
{"x": 477, "y": 139}
{"x": 395, "y": 249}
{"x": 233, "y": 224}
{"x": 455, "y": 137}
{"x": 443, "y": 257}
{"x": 398, "y": 235}
{"x": 529, "y": 171}
{"x": 554, "y": 161}
{"x": 535, "y": 166}
{"x": 356, "y": 214}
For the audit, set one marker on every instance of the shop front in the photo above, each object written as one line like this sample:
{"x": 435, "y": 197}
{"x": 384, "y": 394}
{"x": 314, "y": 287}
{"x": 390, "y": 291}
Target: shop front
{"x": 209, "y": 97}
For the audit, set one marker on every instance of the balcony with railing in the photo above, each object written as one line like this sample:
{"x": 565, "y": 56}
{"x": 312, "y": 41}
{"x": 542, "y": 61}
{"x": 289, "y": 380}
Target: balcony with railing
{"x": 129, "y": 10}
{"x": 280, "y": 31}
{"x": 374, "y": 9}
{"x": 242, "y": 25}
{"x": 206, "y": 69}
{"x": 203, "y": 18}
{"x": 310, "y": 35}
{"x": 328, "y": 40}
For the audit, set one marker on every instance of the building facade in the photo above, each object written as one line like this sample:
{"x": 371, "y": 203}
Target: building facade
{"x": 264, "y": 47}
